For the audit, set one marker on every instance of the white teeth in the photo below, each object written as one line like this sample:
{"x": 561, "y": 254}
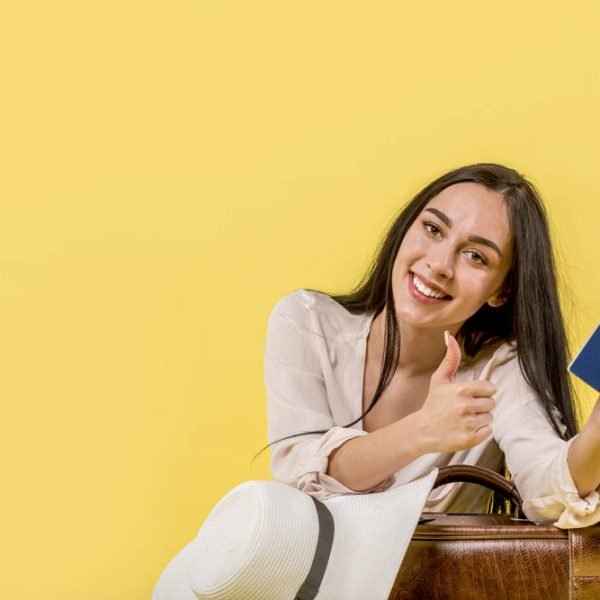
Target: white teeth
{"x": 427, "y": 291}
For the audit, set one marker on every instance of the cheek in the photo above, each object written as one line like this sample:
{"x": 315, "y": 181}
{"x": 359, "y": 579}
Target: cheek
{"x": 474, "y": 285}
{"x": 490, "y": 289}
{"x": 412, "y": 244}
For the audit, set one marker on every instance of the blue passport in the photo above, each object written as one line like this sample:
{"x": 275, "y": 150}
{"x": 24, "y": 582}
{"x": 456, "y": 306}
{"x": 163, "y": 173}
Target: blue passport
{"x": 586, "y": 365}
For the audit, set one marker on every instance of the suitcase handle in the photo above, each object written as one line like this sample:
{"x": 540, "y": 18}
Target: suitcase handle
{"x": 481, "y": 476}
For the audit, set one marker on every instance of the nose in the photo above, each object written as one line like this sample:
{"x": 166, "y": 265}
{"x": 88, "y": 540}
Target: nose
{"x": 440, "y": 261}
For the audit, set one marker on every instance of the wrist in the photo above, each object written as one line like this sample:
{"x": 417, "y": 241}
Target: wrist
{"x": 416, "y": 424}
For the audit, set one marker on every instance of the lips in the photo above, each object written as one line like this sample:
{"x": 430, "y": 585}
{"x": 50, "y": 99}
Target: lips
{"x": 428, "y": 289}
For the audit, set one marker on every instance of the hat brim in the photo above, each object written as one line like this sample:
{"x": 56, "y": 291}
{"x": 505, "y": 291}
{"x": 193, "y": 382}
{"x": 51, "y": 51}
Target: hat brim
{"x": 174, "y": 583}
{"x": 372, "y": 533}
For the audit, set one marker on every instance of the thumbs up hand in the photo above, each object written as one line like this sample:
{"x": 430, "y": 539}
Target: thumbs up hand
{"x": 450, "y": 363}
{"x": 455, "y": 416}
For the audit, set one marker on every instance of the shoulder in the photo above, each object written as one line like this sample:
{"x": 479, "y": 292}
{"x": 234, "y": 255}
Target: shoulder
{"x": 318, "y": 313}
{"x": 299, "y": 303}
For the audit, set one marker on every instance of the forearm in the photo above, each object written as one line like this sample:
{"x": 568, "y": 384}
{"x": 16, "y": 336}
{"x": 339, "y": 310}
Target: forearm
{"x": 365, "y": 461}
{"x": 584, "y": 455}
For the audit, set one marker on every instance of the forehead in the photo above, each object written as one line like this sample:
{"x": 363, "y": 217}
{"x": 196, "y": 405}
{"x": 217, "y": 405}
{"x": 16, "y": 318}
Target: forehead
{"x": 475, "y": 210}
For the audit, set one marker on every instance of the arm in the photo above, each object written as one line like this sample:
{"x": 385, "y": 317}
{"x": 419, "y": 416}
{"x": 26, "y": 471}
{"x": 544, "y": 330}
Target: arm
{"x": 308, "y": 381}
{"x": 536, "y": 456}
{"x": 584, "y": 455}
{"x": 364, "y": 462}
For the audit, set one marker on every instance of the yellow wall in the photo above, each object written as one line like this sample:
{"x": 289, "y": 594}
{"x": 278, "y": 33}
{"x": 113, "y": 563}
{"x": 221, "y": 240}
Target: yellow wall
{"x": 169, "y": 170}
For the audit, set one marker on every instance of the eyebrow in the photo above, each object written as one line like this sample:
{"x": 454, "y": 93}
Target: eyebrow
{"x": 472, "y": 238}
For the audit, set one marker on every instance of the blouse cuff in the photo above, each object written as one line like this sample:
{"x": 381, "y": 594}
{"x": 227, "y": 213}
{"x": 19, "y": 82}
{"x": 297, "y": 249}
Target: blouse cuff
{"x": 312, "y": 475}
{"x": 573, "y": 510}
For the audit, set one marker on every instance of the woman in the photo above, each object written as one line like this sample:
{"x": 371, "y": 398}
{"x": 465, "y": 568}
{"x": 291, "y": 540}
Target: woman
{"x": 452, "y": 351}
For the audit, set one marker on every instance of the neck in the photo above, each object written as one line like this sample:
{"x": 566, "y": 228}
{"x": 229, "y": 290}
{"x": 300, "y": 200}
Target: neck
{"x": 421, "y": 349}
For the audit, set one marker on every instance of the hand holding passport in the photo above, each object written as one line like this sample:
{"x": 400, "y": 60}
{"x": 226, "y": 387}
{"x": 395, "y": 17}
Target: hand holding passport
{"x": 586, "y": 364}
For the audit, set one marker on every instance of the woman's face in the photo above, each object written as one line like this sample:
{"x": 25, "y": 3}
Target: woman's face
{"x": 454, "y": 258}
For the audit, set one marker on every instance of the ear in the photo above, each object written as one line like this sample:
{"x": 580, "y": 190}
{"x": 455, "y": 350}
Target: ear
{"x": 496, "y": 301}
{"x": 499, "y": 299}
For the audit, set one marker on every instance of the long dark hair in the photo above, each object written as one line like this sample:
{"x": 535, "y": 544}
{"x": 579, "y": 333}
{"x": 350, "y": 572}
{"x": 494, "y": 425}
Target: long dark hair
{"x": 531, "y": 316}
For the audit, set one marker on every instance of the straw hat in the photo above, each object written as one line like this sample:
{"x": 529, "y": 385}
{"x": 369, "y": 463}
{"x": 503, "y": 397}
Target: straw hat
{"x": 269, "y": 541}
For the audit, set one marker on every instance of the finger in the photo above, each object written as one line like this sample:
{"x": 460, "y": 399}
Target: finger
{"x": 483, "y": 405}
{"x": 482, "y": 419}
{"x": 474, "y": 388}
{"x": 473, "y": 436}
{"x": 482, "y": 433}
{"x": 474, "y": 406}
{"x": 450, "y": 363}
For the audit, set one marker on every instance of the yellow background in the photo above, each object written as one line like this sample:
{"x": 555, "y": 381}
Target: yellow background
{"x": 169, "y": 170}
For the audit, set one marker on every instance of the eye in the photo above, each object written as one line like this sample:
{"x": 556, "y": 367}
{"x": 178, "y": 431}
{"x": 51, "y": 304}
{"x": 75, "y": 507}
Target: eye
{"x": 476, "y": 257}
{"x": 431, "y": 228}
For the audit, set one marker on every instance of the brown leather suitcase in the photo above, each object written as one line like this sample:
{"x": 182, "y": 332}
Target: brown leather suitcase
{"x": 497, "y": 556}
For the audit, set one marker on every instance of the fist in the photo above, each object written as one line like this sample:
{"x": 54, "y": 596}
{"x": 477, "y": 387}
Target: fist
{"x": 455, "y": 415}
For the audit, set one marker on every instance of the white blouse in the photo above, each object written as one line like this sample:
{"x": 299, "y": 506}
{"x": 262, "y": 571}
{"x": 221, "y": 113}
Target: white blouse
{"x": 314, "y": 369}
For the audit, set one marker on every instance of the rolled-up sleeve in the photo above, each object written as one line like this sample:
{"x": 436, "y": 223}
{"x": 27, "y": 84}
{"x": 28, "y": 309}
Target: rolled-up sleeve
{"x": 297, "y": 369}
{"x": 536, "y": 456}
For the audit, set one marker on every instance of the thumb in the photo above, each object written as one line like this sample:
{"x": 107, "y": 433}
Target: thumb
{"x": 450, "y": 363}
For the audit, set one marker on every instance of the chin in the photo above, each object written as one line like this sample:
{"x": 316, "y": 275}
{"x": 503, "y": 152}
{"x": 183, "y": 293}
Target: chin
{"x": 413, "y": 320}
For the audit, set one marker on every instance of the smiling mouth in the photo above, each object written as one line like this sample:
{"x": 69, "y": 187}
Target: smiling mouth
{"x": 425, "y": 290}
